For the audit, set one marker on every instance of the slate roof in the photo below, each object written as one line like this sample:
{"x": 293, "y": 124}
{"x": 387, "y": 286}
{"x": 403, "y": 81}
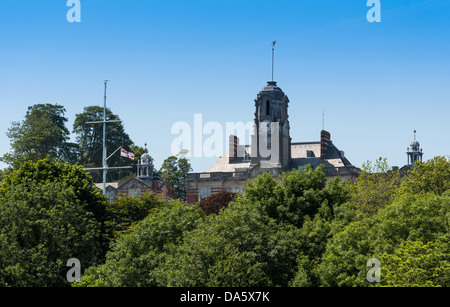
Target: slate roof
{"x": 299, "y": 157}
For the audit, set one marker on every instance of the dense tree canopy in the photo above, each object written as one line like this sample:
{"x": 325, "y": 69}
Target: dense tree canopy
{"x": 265, "y": 249}
{"x": 252, "y": 242}
{"x": 300, "y": 229}
{"x": 42, "y": 133}
{"x": 432, "y": 176}
{"x": 415, "y": 263}
{"x": 298, "y": 194}
{"x": 50, "y": 212}
{"x": 410, "y": 218}
{"x": 135, "y": 255}
{"x": 125, "y": 211}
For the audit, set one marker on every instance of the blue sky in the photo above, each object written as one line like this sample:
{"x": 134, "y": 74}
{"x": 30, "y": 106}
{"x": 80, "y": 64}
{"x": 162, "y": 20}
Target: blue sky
{"x": 169, "y": 60}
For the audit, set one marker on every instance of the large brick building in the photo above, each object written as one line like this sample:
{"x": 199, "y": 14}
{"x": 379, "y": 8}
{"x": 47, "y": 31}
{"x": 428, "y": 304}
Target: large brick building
{"x": 271, "y": 150}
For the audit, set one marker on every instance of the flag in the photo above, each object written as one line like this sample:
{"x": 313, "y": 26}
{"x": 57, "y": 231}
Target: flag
{"x": 124, "y": 153}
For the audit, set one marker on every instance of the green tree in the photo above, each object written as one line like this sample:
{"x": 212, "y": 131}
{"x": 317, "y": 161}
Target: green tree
{"x": 237, "y": 269}
{"x": 296, "y": 195}
{"x": 375, "y": 187}
{"x": 50, "y": 212}
{"x": 42, "y": 133}
{"x": 125, "y": 211}
{"x": 417, "y": 264}
{"x": 132, "y": 260}
{"x": 174, "y": 170}
{"x": 430, "y": 176}
{"x": 240, "y": 246}
{"x": 248, "y": 243}
{"x": 421, "y": 218}
{"x": 89, "y": 138}
{"x": 3, "y": 173}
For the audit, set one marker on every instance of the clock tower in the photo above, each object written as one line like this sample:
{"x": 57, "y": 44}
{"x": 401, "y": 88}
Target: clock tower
{"x": 271, "y": 141}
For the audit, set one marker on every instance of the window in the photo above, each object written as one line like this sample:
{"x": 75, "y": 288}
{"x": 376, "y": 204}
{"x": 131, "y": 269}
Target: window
{"x": 134, "y": 192}
{"x": 110, "y": 195}
{"x": 267, "y": 107}
{"x": 203, "y": 193}
{"x": 237, "y": 190}
{"x": 310, "y": 154}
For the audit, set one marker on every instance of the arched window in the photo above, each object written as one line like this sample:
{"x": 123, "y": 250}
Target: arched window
{"x": 267, "y": 107}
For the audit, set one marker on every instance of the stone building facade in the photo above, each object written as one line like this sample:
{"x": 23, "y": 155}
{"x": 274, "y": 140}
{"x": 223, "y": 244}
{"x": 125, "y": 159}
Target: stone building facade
{"x": 143, "y": 182}
{"x": 271, "y": 150}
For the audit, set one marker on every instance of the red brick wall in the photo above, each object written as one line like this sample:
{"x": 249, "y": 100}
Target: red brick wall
{"x": 325, "y": 138}
{"x": 192, "y": 195}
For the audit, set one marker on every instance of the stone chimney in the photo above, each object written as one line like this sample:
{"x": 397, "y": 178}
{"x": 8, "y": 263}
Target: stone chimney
{"x": 325, "y": 138}
{"x": 232, "y": 149}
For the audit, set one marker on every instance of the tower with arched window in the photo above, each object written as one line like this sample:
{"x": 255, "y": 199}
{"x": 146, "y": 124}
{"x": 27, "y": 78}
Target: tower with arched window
{"x": 271, "y": 128}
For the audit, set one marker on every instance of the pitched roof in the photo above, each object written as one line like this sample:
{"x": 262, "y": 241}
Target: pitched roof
{"x": 299, "y": 157}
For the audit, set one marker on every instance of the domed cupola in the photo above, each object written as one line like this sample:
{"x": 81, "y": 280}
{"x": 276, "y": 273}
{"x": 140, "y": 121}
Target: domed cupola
{"x": 145, "y": 167}
{"x": 414, "y": 152}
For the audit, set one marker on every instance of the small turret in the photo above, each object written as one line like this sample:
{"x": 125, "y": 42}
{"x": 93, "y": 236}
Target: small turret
{"x": 414, "y": 152}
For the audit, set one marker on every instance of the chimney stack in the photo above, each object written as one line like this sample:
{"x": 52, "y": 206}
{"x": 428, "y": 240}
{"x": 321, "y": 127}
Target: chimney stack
{"x": 233, "y": 146}
{"x": 325, "y": 138}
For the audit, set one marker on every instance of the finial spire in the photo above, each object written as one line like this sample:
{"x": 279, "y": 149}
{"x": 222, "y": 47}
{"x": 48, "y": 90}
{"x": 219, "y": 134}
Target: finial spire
{"x": 415, "y": 134}
{"x": 323, "y": 119}
{"x": 273, "y": 56}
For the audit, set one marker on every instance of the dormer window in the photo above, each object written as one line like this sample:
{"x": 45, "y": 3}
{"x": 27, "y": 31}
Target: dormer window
{"x": 267, "y": 107}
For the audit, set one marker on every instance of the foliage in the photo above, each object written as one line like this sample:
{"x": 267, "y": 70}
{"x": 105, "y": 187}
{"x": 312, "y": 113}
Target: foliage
{"x": 304, "y": 276}
{"x": 421, "y": 218}
{"x": 214, "y": 203}
{"x": 384, "y": 221}
{"x": 375, "y": 187}
{"x": 49, "y": 212}
{"x": 3, "y": 173}
{"x": 430, "y": 176}
{"x": 299, "y": 230}
{"x": 298, "y": 194}
{"x": 125, "y": 211}
{"x": 417, "y": 264}
{"x": 89, "y": 138}
{"x": 242, "y": 245}
{"x": 51, "y": 170}
{"x": 135, "y": 254}
{"x": 265, "y": 251}
{"x": 42, "y": 133}
{"x": 174, "y": 170}
{"x": 237, "y": 269}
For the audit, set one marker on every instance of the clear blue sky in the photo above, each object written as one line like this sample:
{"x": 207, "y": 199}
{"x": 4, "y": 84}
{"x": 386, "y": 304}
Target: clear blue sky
{"x": 168, "y": 60}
